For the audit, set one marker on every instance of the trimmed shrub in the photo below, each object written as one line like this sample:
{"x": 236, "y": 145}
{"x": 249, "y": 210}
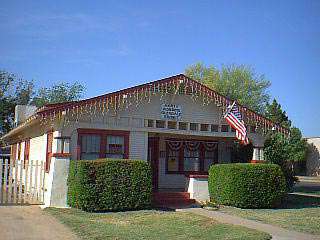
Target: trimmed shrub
{"x": 109, "y": 185}
{"x": 247, "y": 185}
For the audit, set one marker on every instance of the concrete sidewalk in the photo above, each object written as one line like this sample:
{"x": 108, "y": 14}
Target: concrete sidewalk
{"x": 31, "y": 223}
{"x": 276, "y": 232}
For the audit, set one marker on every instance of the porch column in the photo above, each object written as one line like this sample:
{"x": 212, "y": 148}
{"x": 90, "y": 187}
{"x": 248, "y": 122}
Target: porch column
{"x": 258, "y": 155}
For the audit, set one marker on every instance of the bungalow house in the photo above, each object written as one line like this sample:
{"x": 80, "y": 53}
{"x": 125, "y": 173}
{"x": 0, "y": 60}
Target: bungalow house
{"x": 175, "y": 123}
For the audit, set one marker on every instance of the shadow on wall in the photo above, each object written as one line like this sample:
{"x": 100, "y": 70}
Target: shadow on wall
{"x": 313, "y": 160}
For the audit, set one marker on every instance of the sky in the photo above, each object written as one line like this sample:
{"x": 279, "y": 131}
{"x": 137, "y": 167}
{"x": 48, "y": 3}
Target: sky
{"x": 110, "y": 45}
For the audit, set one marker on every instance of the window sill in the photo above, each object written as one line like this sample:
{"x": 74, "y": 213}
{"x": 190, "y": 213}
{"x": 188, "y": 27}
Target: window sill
{"x": 61, "y": 155}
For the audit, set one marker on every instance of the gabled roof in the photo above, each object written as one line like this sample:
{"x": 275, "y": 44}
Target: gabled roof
{"x": 165, "y": 85}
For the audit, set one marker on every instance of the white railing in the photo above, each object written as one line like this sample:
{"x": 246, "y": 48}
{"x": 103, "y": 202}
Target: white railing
{"x": 21, "y": 182}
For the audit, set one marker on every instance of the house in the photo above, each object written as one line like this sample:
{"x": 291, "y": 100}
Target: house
{"x": 175, "y": 123}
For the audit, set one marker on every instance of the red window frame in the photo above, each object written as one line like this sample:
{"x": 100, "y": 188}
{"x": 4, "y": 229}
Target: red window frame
{"x": 19, "y": 151}
{"x": 181, "y": 158}
{"x": 103, "y": 142}
{"x": 49, "y": 151}
{"x": 26, "y": 152}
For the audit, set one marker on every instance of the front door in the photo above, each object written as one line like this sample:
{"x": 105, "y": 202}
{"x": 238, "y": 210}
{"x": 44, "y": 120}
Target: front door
{"x": 153, "y": 158}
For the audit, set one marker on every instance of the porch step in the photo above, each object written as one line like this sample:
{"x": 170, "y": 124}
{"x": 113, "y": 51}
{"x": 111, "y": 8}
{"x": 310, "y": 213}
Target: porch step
{"x": 172, "y": 198}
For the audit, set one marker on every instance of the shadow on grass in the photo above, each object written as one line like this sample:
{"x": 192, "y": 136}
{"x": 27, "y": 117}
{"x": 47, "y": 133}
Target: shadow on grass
{"x": 299, "y": 201}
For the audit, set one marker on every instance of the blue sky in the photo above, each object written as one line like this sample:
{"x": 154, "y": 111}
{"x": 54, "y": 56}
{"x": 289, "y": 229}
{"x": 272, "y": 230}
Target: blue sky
{"x": 108, "y": 45}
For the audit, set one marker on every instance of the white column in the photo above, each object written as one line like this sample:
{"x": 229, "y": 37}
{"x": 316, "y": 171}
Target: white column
{"x": 256, "y": 155}
{"x": 261, "y": 154}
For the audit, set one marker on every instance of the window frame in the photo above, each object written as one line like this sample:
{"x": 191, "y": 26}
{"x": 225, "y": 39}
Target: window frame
{"x": 103, "y": 140}
{"x": 181, "y": 157}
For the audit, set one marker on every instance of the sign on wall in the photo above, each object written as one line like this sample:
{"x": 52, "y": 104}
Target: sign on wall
{"x": 171, "y": 111}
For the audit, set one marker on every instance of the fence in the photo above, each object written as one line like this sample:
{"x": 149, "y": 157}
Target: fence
{"x": 21, "y": 182}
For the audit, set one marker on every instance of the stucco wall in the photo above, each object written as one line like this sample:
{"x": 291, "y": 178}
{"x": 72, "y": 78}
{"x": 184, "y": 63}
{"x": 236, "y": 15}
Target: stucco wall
{"x": 313, "y": 157}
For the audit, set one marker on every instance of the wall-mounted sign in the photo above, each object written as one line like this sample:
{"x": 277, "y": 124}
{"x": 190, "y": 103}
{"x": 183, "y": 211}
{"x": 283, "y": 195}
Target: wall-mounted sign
{"x": 171, "y": 111}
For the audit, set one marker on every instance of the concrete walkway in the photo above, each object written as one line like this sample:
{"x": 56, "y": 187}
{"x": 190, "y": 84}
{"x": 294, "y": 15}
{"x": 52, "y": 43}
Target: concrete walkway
{"x": 276, "y": 232}
{"x": 31, "y": 223}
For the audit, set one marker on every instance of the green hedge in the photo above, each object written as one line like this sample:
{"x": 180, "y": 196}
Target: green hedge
{"x": 109, "y": 185}
{"x": 247, "y": 185}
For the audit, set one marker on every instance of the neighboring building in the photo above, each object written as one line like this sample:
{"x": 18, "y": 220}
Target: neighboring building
{"x": 313, "y": 157}
{"x": 175, "y": 123}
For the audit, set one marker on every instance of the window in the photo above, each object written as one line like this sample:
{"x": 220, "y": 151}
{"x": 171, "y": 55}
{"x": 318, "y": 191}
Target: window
{"x": 182, "y": 126}
{"x": 90, "y": 146}
{"x": 224, "y": 128}
{"x": 149, "y": 123}
{"x": 191, "y": 160}
{"x": 173, "y": 161}
{"x": 194, "y": 126}
{"x": 190, "y": 156}
{"x": 172, "y": 125}
{"x": 115, "y": 147}
{"x": 96, "y": 143}
{"x": 214, "y": 128}
{"x": 160, "y": 124}
{"x": 63, "y": 144}
{"x": 252, "y": 129}
{"x": 204, "y": 127}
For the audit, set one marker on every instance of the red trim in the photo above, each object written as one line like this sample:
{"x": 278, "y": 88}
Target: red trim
{"x": 49, "y": 151}
{"x": 26, "y": 152}
{"x": 196, "y": 176}
{"x": 103, "y": 134}
{"x": 258, "y": 161}
{"x": 153, "y": 157}
{"x": 61, "y": 155}
{"x": 250, "y": 114}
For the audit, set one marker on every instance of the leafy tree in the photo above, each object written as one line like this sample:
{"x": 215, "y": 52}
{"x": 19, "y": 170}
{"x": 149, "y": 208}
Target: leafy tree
{"x": 62, "y": 92}
{"x": 275, "y": 113}
{"x": 13, "y": 91}
{"x": 238, "y": 82}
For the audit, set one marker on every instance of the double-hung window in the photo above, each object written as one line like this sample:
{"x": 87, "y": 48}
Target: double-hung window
{"x": 115, "y": 147}
{"x": 94, "y": 144}
{"x": 90, "y": 146}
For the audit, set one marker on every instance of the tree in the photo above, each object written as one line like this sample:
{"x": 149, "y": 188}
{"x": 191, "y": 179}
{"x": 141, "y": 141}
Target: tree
{"x": 62, "y": 92}
{"x": 275, "y": 113}
{"x": 237, "y": 82}
{"x": 13, "y": 91}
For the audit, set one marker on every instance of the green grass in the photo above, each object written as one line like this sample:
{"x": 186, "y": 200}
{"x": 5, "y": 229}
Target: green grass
{"x": 300, "y": 213}
{"x": 150, "y": 224}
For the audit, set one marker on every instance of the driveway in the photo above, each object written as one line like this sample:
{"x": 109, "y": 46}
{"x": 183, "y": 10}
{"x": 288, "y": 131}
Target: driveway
{"x": 31, "y": 223}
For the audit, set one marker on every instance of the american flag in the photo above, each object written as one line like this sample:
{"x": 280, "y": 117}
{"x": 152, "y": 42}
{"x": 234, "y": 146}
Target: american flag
{"x": 234, "y": 118}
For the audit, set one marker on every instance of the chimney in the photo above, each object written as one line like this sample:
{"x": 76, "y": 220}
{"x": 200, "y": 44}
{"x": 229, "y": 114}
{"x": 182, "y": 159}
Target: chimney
{"x": 22, "y": 112}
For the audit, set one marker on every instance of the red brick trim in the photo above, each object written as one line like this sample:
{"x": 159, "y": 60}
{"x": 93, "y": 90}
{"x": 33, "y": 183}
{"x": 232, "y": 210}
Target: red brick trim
{"x": 66, "y": 155}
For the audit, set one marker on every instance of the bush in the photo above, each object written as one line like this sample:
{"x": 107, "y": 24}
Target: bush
{"x": 109, "y": 185}
{"x": 247, "y": 185}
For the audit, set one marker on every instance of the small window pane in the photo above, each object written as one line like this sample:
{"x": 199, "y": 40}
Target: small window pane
{"x": 191, "y": 160}
{"x": 149, "y": 123}
{"x": 208, "y": 159}
{"x": 224, "y": 128}
{"x": 173, "y": 161}
{"x": 182, "y": 125}
{"x": 115, "y": 147}
{"x": 204, "y": 127}
{"x": 193, "y": 126}
{"x": 214, "y": 128}
{"x": 66, "y": 146}
{"x": 172, "y": 125}
{"x": 59, "y": 145}
{"x": 160, "y": 124}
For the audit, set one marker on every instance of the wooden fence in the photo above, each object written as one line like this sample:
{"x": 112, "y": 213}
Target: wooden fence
{"x": 21, "y": 182}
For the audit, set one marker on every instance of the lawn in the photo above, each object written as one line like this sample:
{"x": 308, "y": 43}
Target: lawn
{"x": 150, "y": 224}
{"x": 301, "y": 213}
